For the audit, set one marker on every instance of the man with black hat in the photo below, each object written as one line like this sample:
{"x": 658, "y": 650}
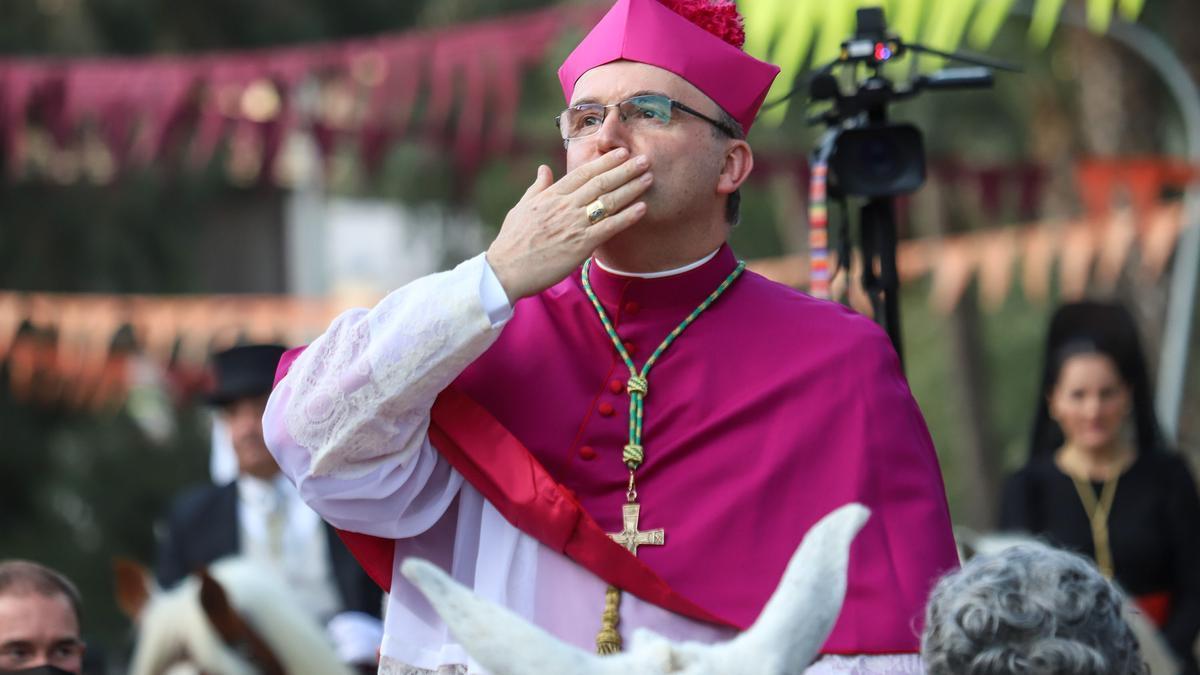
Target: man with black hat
{"x": 259, "y": 515}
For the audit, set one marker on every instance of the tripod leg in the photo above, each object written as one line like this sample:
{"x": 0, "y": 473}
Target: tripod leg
{"x": 878, "y": 224}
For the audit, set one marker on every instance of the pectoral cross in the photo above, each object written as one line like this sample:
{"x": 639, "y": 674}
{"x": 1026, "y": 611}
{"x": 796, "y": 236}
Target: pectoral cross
{"x": 630, "y": 537}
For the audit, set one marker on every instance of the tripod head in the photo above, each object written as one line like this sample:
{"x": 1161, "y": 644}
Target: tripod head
{"x": 862, "y": 155}
{"x": 871, "y": 157}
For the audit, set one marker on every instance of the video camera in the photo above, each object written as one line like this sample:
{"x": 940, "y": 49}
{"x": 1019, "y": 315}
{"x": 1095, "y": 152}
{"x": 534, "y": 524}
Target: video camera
{"x": 863, "y": 155}
{"x": 872, "y": 158}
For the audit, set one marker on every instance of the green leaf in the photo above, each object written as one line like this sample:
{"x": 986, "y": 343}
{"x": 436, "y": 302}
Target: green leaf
{"x": 790, "y": 52}
{"x": 946, "y": 29}
{"x": 837, "y": 26}
{"x": 762, "y": 18}
{"x": 1099, "y": 15}
{"x": 1045, "y": 18}
{"x": 1131, "y": 9}
{"x": 988, "y": 19}
{"x": 904, "y": 17}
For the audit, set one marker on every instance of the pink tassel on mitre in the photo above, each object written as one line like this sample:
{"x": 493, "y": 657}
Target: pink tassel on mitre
{"x": 719, "y": 17}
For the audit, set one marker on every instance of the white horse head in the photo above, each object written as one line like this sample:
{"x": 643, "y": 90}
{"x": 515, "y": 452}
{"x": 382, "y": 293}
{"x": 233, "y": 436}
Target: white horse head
{"x": 234, "y": 618}
{"x": 784, "y": 639}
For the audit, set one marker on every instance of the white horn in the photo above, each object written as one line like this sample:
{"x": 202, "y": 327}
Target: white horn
{"x": 783, "y": 641}
{"x": 498, "y": 639}
{"x": 802, "y": 611}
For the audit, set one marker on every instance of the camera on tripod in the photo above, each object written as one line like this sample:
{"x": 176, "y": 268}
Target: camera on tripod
{"x": 872, "y": 158}
{"x": 863, "y": 155}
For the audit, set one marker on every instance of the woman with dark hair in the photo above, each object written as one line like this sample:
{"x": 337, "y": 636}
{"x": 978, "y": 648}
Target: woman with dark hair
{"x": 1092, "y": 486}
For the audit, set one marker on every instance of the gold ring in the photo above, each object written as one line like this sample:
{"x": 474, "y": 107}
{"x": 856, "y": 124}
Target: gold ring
{"x": 596, "y": 211}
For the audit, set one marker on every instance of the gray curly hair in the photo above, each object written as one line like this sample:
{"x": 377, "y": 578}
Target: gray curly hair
{"x": 1028, "y": 609}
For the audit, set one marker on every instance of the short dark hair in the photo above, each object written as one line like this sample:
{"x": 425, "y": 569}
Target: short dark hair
{"x": 24, "y": 576}
{"x": 733, "y": 205}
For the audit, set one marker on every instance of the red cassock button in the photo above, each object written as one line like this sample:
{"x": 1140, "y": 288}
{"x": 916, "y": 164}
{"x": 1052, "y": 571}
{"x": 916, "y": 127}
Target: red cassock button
{"x": 631, "y": 307}
{"x": 606, "y": 409}
{"x": 616, "y": 386}
{"x": 587, "y": 453}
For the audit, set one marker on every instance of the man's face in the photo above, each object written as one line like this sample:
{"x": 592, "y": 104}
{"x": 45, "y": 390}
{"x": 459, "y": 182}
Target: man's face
{"x": 244, "y": 418}
{"x": 685, "y": 156}
{"x": 39, "y": 630}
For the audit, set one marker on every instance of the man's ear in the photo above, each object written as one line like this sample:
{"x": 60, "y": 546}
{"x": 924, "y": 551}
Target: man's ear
{"x": 738, "y": 161}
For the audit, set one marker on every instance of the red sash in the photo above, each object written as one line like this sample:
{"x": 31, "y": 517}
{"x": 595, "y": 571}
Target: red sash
{"x": 1157, "y": 606}
{"x": 520, "y": 488}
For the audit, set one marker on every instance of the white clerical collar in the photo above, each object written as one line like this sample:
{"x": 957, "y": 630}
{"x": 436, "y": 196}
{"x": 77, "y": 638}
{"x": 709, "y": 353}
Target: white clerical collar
{"x": 658, "y": 275}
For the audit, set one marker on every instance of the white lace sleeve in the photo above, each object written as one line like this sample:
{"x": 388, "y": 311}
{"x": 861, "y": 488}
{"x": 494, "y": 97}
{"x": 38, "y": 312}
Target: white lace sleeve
{"x": 882, "y": 664}
{"x": 349, "y": 422}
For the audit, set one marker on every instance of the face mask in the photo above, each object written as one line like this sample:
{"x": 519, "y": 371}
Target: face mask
{"x": 38, "y": 670}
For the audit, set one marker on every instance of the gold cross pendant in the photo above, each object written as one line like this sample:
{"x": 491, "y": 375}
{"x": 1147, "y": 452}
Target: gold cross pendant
{"x": 630, "y": 537}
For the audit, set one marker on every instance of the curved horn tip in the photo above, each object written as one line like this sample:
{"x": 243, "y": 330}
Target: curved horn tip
{"x": 854, "y": 515}
{"x": 422, "y": 573}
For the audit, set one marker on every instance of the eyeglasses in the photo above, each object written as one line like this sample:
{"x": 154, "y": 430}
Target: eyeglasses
{"x": 647, "y": 111}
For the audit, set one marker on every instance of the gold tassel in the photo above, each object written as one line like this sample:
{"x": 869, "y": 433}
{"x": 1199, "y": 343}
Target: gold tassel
{"x": 608, "y": 640}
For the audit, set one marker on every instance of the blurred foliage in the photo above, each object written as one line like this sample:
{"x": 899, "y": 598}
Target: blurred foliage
{"x": 77, "y": 489}
{"x": 1012, "y": 362}
{"x": 134, "y": 236}
{"x": 795, "y": 33}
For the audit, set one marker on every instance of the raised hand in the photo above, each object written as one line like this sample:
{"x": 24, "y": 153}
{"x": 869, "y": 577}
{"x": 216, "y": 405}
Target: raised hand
{"x": 548, "y": 233}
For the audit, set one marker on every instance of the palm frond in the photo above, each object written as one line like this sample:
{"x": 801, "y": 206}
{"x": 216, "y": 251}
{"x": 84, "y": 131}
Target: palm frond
{"x": 799, "y": 34}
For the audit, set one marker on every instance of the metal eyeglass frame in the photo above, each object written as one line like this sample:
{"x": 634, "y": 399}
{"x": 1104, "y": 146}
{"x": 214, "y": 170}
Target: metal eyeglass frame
{"x": 673, "y": 105}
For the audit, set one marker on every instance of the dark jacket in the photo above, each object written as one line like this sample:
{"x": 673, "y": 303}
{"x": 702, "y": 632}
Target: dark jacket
{"x": 202, "y": 527}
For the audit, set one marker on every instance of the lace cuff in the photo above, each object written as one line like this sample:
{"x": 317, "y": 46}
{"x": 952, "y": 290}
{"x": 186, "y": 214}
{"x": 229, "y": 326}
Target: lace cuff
{"x": 363, "y": 389}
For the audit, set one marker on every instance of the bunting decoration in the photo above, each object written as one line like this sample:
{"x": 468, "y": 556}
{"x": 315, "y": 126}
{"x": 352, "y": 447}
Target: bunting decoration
{"x": 957, "y": 262}
{"x": 1138, "y": 182}
{"x": 996, "y": 251}
{"x": 79, "y": 350}
{"x": 992, "y": 255}
{"x": 109, "y": 114}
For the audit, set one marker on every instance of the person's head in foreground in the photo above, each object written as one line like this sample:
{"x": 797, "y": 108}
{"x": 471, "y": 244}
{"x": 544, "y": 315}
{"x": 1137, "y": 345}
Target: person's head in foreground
{"x": 39, "y": 620}
{"x": 1028, "y": 609}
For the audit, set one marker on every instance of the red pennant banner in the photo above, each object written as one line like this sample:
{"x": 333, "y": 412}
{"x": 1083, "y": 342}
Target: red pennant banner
{"x": 466, "y": 80}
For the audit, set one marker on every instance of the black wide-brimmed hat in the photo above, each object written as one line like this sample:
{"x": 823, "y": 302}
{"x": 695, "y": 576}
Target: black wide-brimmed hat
{"x": 244, "y": 371}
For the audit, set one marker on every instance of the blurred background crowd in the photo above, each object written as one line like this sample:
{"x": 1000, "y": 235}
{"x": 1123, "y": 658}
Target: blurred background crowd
{"x": 182, "y": 177}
